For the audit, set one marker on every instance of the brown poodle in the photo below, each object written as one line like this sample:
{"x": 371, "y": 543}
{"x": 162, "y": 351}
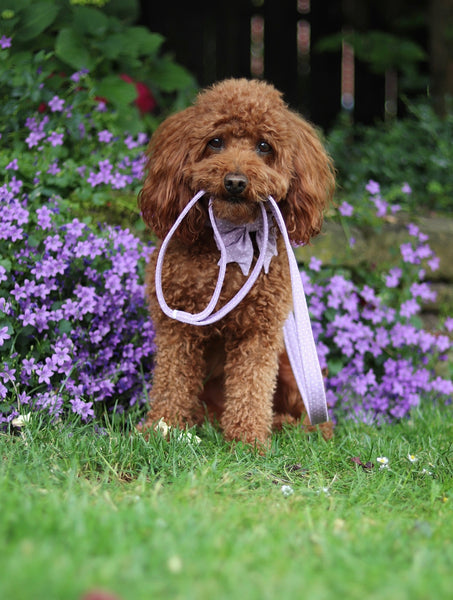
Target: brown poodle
{"x": 239, "y": 143}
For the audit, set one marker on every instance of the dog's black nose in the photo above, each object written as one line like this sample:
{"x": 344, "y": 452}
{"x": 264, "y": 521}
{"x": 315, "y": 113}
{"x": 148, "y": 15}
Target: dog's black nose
{"x": 235, "y": 183}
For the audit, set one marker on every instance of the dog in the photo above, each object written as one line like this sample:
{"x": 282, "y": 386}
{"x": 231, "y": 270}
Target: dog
{"x": 239, "y": 143}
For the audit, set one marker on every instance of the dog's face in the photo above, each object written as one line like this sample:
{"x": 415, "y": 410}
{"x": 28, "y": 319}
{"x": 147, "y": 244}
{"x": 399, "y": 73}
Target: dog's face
{"x": 239, "y": 143}
{"x": 240, "y": 165}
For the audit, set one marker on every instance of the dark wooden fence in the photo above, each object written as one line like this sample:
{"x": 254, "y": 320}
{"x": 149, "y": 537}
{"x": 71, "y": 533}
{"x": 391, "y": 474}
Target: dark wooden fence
{"x": 276, "y": 40}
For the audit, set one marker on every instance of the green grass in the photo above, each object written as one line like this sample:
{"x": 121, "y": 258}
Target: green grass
{"x": 169, "y": 519}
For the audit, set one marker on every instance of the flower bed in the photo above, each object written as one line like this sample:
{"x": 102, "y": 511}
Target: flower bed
{"x": 380, "y": 361}
{"x": 74, "y": 328}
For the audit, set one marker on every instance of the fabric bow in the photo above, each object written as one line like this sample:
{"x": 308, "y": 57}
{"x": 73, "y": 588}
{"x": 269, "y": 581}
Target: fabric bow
{"x": 239, "y": 245}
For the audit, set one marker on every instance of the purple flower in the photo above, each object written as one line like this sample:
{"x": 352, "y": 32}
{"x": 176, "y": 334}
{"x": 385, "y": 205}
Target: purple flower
{"x": 433, "y": 263}
{"x": 54, "y": 168}
{"x": 346, "y": 210}
{"x": 34, "y": 138}
{"x": 14, "y": 165}
{"x": 118, "y": 181}
{"x": 4, "y": 335}
{"x": 56, "y": 104}
{"x": 409, "y": 308}
{"x": 45, "y": 371}
{"x": 406, "y": 189}
{"x": 373, "y": 187}
{"x": 423, "y": 291}
{"x": 15, "y": 185}
{"x": 408, "y": 253}
{"x": 28, "y": 366}
{"x": 8, "y": 374}
{"x": 44, "y": 217}
{"x": 56, "y": 139}
{"x": 84, "y": 409}
{"x": 393, "y": 278}
{"x": 105, "y": 136}
{"x": 381, "y": 206}
{"x": 448, "y": 324}
{"x": 315, "y": 264}
{"x": 413, "y": 230}
{"x": 78, "y": 75}
{"x": 5, "y": 42}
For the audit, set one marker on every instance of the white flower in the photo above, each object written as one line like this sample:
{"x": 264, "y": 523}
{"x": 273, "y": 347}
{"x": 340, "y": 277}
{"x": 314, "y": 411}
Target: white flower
{"x": 162, "y": 427}
{"x": 183, "y": 436}
{"x": 186, "y": 436}
{"x": 426, "y": 472}
{"x": 174, "y": 564}
{"x": 383, "y": 462}
{"x": 21, "y": 420}
{"x": 287, "y": 490}
{"x": 412, "y": 458}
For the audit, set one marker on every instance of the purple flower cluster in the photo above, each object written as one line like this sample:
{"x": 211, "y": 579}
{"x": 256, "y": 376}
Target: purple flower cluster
{"x": 48, "y": 137}
{"x": 74, "y": 327}
{"x": 381, "y": 363}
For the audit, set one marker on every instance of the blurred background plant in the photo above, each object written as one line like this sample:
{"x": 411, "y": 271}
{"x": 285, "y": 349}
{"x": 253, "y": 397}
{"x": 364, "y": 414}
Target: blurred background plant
{"x": 124, "y": 60}
{"x": 417, "y": 147}
{"x": 85, "y": 84}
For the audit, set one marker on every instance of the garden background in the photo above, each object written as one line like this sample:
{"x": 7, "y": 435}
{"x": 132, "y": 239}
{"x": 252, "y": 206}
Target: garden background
{"x": 82, "y": 87}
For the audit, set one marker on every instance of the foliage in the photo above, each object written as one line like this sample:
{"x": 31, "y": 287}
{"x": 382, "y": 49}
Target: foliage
{"x": 102, "y": 40}
{"x": 68, "y": 141}
{"x": 170, "y": 519}
{"x": 383, "y": 51}
{"x": 418, "y": 145}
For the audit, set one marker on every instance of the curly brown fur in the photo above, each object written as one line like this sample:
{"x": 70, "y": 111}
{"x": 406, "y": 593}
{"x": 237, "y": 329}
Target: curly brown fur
{"x": 235, "y": 370}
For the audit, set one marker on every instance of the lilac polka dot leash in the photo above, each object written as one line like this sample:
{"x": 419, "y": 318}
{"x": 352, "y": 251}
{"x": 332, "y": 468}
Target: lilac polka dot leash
{"x": 298, "y": 335}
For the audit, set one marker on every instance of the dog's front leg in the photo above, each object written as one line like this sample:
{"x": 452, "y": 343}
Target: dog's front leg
{"x": 251, "y": 369}
{"x": 178, "y": 375}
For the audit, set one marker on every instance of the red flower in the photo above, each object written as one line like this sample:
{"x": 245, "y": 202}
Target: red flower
{"x": 144, "y": 101}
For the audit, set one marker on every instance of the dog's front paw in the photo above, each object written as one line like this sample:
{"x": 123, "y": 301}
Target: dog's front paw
{"x": 251, "y": 435}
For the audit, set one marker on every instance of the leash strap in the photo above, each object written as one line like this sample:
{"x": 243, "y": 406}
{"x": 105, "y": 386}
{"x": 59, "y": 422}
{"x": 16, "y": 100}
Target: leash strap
{"x": 298, "y": 335}
{"x": 299, "y": 341}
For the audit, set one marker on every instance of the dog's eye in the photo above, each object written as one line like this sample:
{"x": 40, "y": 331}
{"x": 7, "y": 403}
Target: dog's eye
{"x": 263, "y": 148}
{"x": 216, "y": 143}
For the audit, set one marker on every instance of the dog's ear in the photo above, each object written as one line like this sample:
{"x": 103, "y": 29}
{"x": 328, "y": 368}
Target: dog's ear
{"x": 312, "y": 184}
{"x": 165, "y": 190}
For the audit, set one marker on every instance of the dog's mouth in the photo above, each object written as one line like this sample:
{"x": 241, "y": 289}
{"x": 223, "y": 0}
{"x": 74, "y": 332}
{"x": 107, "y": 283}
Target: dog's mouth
{"x": 235, "y": 199}
{"x": 236, "y": 209}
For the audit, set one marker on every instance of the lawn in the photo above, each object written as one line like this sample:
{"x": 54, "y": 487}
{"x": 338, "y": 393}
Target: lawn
{"x": 175, "y": 518}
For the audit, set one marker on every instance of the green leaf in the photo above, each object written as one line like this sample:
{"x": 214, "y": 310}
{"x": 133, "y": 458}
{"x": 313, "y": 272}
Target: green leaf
{"x": 127, "y": 12}
{"x": 90, "y": 20}
{"x": 14, "y": 5}
{"x": 141, "y": 41}
{"x": 35, "y": 19}
{"x": 111, "y": 47}
{"x": 72, "y": 49}
{"x": 6, "y": 263}
{"x": 116, "y": 90}
{"x": 170, "y": 76}
{"x": 65, "y": 326}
